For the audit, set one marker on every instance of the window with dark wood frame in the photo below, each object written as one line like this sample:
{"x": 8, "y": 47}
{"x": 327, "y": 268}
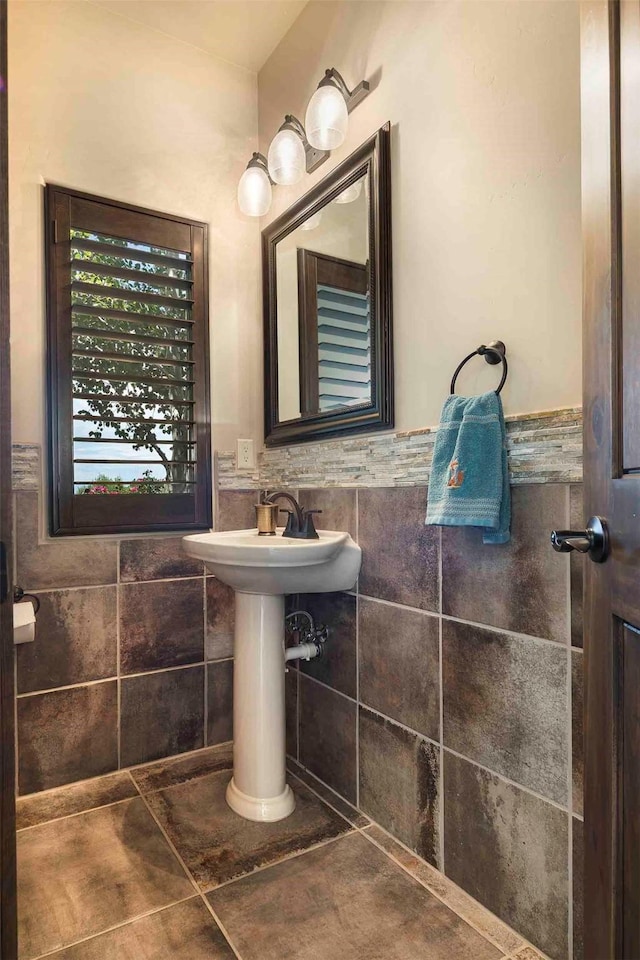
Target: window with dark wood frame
{"x": 127, "y": 319}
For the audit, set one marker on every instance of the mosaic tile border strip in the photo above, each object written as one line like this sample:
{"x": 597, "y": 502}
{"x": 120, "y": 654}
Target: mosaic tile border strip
{"x": 543, "y": 448}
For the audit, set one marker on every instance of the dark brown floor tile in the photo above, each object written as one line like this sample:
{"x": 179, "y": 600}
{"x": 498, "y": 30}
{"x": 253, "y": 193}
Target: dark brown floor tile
{"x": 186, "y": 931}
{"x": 400, "y": 665}
{"x": 519, "y": 586}
{"x": 291, "y": 711}
{"x": 578, "y": 894}
{"x": 337, "y": 668}
{"x": 161, "y": 714}
{"x": 161, "y": 624}
{"x": 235, "y": 509}
{"x": 577, "y": 708}
{"x": 399, "y": 554}
{"x": 167, "y": 773}
{"x": 76, "y": 640}
{"x": 505, "y": 705}
{"x": 576, "y": 564}
{"x": 328, "y": 736}
{"x": 67, "y": 735}
{"x": 77, "y": 798}
{"x": 218, "y": 845}
{"x": 460, "y": 902}
{"x": 79, "y": 876}
{"x": 71, "y": 562}
{"x": 400, "y": 783}
{"x": 221, "y": 619}
{"x": 345, "y": 809}
{"x": 156, "y": 559}
{"x": 351, "y": 903}
{"x": 509, "y": 850}
{"x": 219, "y": 701}
{"x": 338, "y": 505}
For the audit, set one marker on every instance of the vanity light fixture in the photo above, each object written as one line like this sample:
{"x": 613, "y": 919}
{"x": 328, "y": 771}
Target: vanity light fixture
{"x": 313, "y": 221}
{"x": 326, "y": 120}
{"x": 350, "y": 193}
{"x": 290, "y": 153}
{"x": 254, "y": 187}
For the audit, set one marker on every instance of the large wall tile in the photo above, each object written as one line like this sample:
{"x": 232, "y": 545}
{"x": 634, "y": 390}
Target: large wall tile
{"x": 219, "y": 702}
{"x": 161, "y": 624}
{"x": 576, "y": 564}
{"x": 76, "y": 640}
{"x": 509, "y": 850}
{"x": 67, "y": 735}
{"x": 506, "y": 705}
{"x": 521, "y": 585}
{"x": 577, "y": 731}
{"x": 161, "y": 714}
{"x": 399, "y": 554}
{"x": 156, "y": 559}
{"x": 234, "y": 509}
{"x": 64, "y": 562}
{"x": 337, "y": 668}
{"x": 291, "y": 711}
{"x": 221, "y": 619}
{"x": 328, "y": 736}
{"x": 578, "y": 883}
{"x": 399, "y": 664}
{"x": 338, "y": 505}
{"x": 400, "y": 783}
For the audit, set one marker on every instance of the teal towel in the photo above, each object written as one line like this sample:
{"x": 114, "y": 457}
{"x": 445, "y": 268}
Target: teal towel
{"x": 469, "y": 482}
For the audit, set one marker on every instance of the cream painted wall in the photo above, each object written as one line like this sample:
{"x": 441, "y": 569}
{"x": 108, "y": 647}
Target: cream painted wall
{"x": 103, "y": 104}
{"x": 484, "y": 103}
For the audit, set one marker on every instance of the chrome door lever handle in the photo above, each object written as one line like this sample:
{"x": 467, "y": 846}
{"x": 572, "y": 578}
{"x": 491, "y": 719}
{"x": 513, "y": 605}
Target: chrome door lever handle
{"x": 594, "y": 540}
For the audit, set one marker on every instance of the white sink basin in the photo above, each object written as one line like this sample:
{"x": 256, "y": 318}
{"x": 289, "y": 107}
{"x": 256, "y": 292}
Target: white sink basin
{"x": 278, "y": 565}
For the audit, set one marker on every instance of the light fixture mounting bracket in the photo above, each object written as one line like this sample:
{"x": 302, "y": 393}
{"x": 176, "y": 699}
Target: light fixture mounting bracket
{"x": 313, "y": 158}
{"x": 334, "y": 78}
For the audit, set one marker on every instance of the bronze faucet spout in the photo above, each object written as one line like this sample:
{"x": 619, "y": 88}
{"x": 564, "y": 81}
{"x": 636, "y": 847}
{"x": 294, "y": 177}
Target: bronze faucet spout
{"x": 297, "y": 509}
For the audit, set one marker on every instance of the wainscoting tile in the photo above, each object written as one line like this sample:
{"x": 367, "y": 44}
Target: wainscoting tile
{"x": 338, "y": 505}
{"x": 161, "y": 624}
{"x": 219, "y": 702}
{"x": 399, "y": 554}
{"x": 218, "y": 845}
{"x": 291, "y": 711}
{"x": 186, "y": 931}
{"x": 578, "y": 894}
{"x": 400, "y": 783}
{"x": 156, "y": 559}
{"x": 328, "y": 736}
{"x": 67, "y": 735}
{"x": 577, "y": 732}
{"x": 505, "y": 705}
{"x": 161, "y": 714}
{"x": 76, "y": 640}
{"x": 67, "y": 562}
{"x": 338, "y": 667}
{"x": 351, "y": 902}
{"x": 576, "y": 564}
{"x": 399, "y": 665}
{"x": 77, "y": 798}
{"x": 78, "y": 877}
{"x": 221, "y": 619}
{"x": 509, "y": 850}
{"x": 519, "y": 586}
{"x": 167, "y": 773}
{"x": 234, "y": 509}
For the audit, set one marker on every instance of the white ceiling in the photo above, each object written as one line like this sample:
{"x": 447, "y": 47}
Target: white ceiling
{"x": 245, "y": 32}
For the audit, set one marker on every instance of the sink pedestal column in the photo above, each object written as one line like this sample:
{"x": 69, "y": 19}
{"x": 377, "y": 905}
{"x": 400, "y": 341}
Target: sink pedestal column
{"x": 258, "y": 790}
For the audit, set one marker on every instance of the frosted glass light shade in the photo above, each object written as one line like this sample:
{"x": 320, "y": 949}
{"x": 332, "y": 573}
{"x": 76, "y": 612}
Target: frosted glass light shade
{"x": 312, "y": 222}
{"x": 286, "y": 158}
{"x": 326, "y": 120}
{"x": 350, "y": 193}
{"x": 254, "y": 192}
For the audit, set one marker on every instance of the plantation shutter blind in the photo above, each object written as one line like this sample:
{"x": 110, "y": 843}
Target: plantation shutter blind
{"x": 344, "y": 347}
{"x": 128, "y": 368}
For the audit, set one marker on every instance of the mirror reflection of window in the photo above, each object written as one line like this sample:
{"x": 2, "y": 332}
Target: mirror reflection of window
{"x": 323, "y": 316}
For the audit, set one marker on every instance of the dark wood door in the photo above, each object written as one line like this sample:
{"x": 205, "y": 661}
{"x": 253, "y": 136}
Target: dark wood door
{"x": 611, "y": 235}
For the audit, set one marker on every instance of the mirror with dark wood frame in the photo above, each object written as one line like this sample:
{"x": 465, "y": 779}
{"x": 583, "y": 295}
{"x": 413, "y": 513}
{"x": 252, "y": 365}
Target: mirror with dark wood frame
{"x": 328, "y": 304}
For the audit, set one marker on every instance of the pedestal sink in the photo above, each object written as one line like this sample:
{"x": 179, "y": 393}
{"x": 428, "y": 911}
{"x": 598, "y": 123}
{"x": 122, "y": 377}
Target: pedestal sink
{"x": 262, "y": 570}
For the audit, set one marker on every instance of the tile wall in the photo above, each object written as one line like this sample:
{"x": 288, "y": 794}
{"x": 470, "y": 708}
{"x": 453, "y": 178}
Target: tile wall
{"x": 449, "y": 705}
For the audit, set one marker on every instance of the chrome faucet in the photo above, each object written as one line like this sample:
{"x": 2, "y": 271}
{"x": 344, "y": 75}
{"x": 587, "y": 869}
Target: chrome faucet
{"x": 300, "y": 525}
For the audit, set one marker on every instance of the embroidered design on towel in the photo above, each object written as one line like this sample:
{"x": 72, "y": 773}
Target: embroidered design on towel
{"x": 456, "y": 476}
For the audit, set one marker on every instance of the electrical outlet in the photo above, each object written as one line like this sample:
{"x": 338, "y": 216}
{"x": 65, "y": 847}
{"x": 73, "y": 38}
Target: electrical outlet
{"x": 245, "y": 454}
